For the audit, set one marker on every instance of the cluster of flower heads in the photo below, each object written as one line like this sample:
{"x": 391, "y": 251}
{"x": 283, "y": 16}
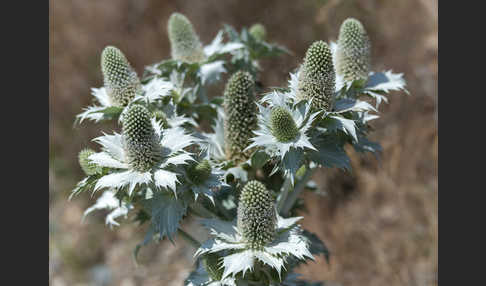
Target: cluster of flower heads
{"x": 163, "y": 165}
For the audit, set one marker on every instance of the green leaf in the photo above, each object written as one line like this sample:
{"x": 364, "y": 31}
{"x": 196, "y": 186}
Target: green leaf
{"x": 330, "y": 154}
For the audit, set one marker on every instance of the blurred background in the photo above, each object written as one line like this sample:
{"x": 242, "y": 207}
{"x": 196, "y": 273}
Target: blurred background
{"x": 379, "y": 222}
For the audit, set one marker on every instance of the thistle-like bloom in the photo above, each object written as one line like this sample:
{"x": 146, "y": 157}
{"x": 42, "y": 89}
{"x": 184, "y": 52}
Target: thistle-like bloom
{"x": 184, "y": 42}
{"x": 121, "y": 80}
{"x": 240, "y": 112}
{"x": 258, "y": 31}
{"x": 317, "y": 77}
{"x": 88, "y": 167}
{"x": 256, "y": 215}
{"x": 259, "y": 234}
{"x": 353, "y": 52}
{"x": 141, "y": 142}
{"x": 202, "y": 178}
{"x": 143, "y": 154}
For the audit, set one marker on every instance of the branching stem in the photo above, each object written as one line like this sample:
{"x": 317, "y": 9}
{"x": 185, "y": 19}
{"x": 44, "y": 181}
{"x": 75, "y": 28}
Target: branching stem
{"x": 299, "y": 187}
{"x": 192, "y": 241}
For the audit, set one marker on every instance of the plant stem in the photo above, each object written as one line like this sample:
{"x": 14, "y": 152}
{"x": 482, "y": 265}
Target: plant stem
{"x": 299, "y": 187}
{"x": 287, "y": 186}
{"x": 189, "y": 238}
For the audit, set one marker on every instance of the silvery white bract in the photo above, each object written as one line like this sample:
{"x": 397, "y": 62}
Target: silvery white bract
{"x": 173, "y": 142}
{"x": 109, "y": 201}
{"x": 200, "y": 277}
{"x": 377, "y": 85}
{"x": 239, "y": 258}
{"x": 288, "y": 153}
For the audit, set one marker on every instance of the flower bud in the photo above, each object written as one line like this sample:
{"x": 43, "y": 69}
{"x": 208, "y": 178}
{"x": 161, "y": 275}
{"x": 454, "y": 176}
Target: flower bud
{"x": 353, "y": 52}
{"x": 184, "y": 42}
{"x": 120, "y": 79}
{"x": 258, "y": 31}
{"x": 141, "y": 142}
{"x": 241, "y": 114}
{"x": 88, "y": 167}
{"x": 256, "y": 217}
{"x": 317, "y": 77}
{"x": 283, "y": 125}
{"x": 200, "y": 172}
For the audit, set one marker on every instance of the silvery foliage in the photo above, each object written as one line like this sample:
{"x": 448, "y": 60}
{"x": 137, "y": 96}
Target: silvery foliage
{"x": 176, "y": 95}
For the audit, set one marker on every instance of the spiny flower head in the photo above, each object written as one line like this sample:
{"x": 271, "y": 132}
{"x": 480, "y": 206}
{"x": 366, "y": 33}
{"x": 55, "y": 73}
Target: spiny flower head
{"x": 184, "y": 42}
{"x": 256, "y": 217}
{"x": 141, "y": 141}
{"x": 120, "y": 79}
{"x": 241, "y": 115}
{"x": 283, "y": 125}
{"x": 88, "y": 167}
{"x": 258, "y": 31}
{"x": 353, "y": 52}
{"x": 199, "y": 172}
{"x": 317, "y": 77}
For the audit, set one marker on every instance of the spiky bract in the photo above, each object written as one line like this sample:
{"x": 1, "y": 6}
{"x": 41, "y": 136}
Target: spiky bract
{"x": 317, "y": 77}
{"x": 256, "y": 217}
{"x": 141, "y": 142}
{"x": 120, "y": 79}
{"x": 241, "y": 114}
{"x": 184, "y": 42}
{"x": 162, "y": 117}
{"x": 353, "y": 52}
{"x": 283, "y": 125}
{"x": 258, "y": 31}
{"x": 199, "y": 172}
{"x": 88, "y": 167}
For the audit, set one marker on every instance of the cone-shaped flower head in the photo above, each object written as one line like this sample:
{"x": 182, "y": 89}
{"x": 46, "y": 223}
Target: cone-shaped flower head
{"x": 353, "y": 52}
{"x": 88, "y": 167}
{"x": 241, "y": 115}
{"x": 256, "y": 218}
{"x": 141, "y": 142}
{"x": 317, "y": 77}
{"x": 283, "y": 125}
{"x": 199, "y": 172}
{"x": 258, "y": 31}
{"x": 120, "y": 79}
{"x": 184, "y": 42}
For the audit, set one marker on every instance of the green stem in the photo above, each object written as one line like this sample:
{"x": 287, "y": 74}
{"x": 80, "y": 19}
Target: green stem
{"x": 299, "y": 187}
{"x": 189, "y": 238}
{"x": 287, "y": 186}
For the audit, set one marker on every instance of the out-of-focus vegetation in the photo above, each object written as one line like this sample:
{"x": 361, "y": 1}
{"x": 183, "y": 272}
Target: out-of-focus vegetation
{"x": 380, "y": 222}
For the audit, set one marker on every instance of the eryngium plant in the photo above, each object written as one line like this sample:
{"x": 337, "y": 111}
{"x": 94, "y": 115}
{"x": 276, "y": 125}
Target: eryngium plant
{"x": 243, "y": 178}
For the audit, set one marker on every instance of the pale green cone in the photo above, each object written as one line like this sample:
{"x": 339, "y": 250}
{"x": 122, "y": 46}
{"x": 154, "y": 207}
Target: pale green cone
{"x": 199, "y": 172}
{"x": 241, "y": 114}
{"x": 256, "y": 218}
{"x": 258, "y": 31}
{"x": 87, "y": 166}
{"x": 317, "y": 77}
{"x": 283, "y": 125}
{"x": 353, "y": 52}
{"x": 120, "y": 79}
{"x": 184, "y": 42}
{"x": 141, "y": 142}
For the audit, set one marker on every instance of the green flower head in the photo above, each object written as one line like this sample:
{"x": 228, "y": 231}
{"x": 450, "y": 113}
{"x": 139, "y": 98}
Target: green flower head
{"x": 88, "y": 167}
{"x": 141, "y": 142}
{"x": 256, "y": 217}
{"x": 283, "y": 125}
{"x": 184, "y": 42}
{"x": 120, "y": 79}
{"x": 241, "y": 114}
{"x": 353, "y": 52}
{"x": 258, "y": 31}
{"x": 317, "y": 77}
{"x": 200, "y": 172}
